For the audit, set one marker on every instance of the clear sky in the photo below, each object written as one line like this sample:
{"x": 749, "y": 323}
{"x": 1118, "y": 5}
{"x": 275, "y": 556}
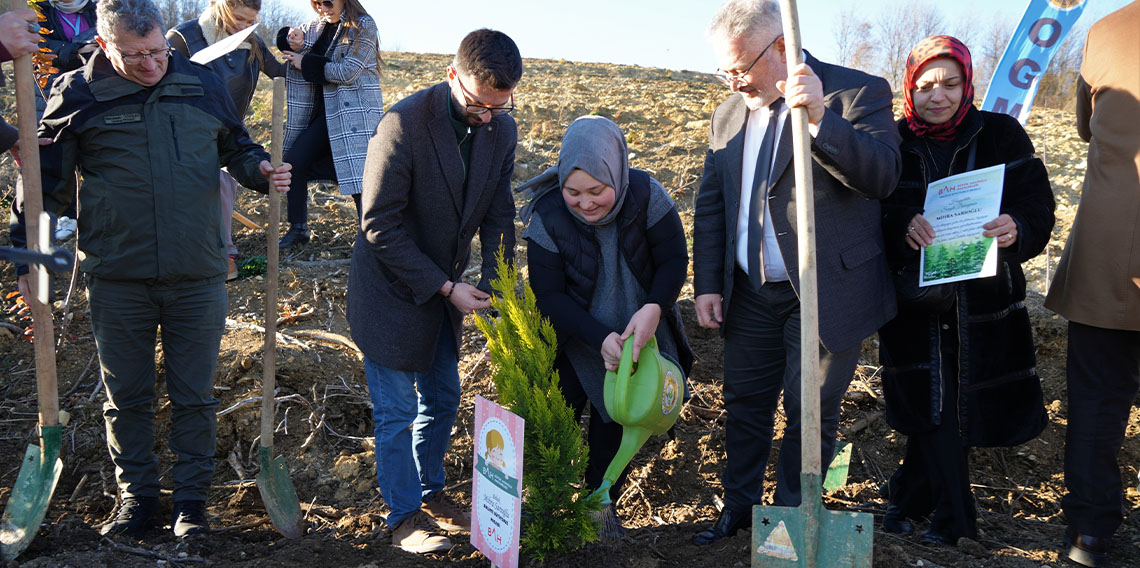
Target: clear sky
{"x": 651, "y": 33}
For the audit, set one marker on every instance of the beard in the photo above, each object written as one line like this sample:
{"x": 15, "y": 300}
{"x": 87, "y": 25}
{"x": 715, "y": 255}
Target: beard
{"x": 753, "y": 103}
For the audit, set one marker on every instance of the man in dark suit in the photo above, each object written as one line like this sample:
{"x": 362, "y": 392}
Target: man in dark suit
{"x": 745, "y": 261}
{"x": 438, "y": 170}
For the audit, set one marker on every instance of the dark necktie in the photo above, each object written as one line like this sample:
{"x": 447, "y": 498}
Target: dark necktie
{"x": 759, "y": 201}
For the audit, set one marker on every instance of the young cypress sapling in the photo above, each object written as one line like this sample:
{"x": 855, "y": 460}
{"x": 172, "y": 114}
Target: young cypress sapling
{"x": 556, "y": 505}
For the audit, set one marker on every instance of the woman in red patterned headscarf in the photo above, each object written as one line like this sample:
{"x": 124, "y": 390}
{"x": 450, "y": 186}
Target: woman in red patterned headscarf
{"x": 958, "y": 359}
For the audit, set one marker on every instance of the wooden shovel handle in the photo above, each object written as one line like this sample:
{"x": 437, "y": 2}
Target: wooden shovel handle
{"x": 269, "y": 358}
{"x": 805, "y": 228}
{"x": 38, "y": 236}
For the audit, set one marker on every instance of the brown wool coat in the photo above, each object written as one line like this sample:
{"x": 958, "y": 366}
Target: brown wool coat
{"x": 1093, "y": 285}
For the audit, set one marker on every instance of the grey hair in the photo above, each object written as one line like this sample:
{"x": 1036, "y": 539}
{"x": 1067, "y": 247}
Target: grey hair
{"x": 136, "y": 17}
{"x": 740, "y": 18}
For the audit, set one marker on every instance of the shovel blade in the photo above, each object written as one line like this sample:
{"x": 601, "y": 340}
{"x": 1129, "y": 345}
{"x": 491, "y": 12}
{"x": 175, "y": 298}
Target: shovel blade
{"x": 278, "y": 495}
{"x": 31, "y": 495}
{"x": 793, "y": 536}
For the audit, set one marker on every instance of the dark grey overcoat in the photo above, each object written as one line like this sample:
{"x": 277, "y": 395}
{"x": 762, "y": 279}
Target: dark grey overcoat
{"x": 419, "y": 218}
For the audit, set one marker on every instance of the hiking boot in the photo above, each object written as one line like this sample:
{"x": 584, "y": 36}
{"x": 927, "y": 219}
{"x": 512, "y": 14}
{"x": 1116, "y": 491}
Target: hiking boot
{"x": 231, "y": 269}
{"x": 609, "y": 525}
{"x": 419, "y": 534}
{"x": 449, "y": 515}
{"x": 296, "y": 236}
{"x": 132, "y": 517}
{"x": 189, "y": 517}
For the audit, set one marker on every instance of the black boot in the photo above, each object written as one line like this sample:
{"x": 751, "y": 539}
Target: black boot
{"x": 894, "y": 521}
{"x": 132, "y": 518}
{"x": 726, "y": 525}
{"x": 297, "y": 235}
{"x": 189, "y": 517}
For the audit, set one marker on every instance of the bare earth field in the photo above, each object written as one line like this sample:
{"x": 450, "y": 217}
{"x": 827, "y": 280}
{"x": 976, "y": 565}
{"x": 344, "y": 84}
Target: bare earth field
{"x": 325, "y": 415}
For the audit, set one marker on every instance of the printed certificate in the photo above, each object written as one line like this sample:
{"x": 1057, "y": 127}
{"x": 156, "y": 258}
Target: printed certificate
{"x": 957, "y": 207}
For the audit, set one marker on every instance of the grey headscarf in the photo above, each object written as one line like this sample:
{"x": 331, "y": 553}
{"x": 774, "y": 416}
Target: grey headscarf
{"x": 595, "y": 145}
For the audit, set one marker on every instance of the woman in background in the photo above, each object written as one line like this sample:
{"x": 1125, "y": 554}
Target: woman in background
{"x": 959, "y": 372}
{"x": 72, "y": 37}
{"x": 239, "y": 69}
{"x": 335, "y": 103}
{"x": 71, "y": 40}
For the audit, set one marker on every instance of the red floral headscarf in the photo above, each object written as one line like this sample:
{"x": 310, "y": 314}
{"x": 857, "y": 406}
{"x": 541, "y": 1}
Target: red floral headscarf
{"x": 927, "y": 50}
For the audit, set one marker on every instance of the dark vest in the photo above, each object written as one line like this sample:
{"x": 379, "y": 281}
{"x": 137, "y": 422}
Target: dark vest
{"x": 580, "y": 250}
{"x": 238, "y": 69}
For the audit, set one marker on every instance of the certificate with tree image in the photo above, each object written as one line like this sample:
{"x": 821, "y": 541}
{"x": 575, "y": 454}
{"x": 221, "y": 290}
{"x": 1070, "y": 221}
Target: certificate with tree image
{"x": 957, "y": 207}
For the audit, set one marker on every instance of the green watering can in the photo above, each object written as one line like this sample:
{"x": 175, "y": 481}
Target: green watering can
{"x": 645, "y": 398}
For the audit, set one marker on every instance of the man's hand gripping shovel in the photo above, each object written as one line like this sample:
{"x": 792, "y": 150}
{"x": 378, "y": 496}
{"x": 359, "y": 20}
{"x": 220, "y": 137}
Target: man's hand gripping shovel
{"x": 273, "y": 481}
{"x": 41, "y": 466}
{"x": 809, "y": 535}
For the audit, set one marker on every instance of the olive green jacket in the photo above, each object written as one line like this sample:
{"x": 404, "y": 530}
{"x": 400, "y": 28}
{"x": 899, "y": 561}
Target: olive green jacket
{"x": 149, "y": 207}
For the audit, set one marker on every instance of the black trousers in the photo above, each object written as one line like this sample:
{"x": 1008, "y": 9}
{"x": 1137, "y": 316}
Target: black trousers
{"x": 761, "y": 359}
{"x": 311, "y": 158}
{"x": 935, "y": 474}
{"x": 604, "y": 438}
{"x": 1103, "y": 377}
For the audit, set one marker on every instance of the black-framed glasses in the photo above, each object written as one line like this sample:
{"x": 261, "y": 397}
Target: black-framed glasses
{"x": 138, "y": 58}
{"x": 476, "y": 108}
{"x": 731, "y": 79}
{"x": 328, "y": 4}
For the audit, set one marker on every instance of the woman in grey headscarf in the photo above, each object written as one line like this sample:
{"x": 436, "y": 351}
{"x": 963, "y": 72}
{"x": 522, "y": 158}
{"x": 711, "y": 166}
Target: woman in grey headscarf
{"x": 607, "y": 258}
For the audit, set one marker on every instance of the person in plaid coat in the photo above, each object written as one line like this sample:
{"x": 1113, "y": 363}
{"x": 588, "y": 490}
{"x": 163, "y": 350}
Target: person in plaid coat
{"x": 333, "y": 91}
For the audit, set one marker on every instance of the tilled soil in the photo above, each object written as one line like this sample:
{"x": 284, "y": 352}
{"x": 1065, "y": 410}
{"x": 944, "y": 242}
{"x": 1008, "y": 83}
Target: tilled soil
{"x": 325, "y": 415}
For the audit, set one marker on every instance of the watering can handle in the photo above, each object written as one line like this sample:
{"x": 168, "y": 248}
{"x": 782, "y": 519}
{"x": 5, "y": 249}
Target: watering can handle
{"x": 625, "y": 371}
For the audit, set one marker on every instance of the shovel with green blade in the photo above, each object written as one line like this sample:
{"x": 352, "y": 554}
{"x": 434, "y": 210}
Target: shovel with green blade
{"x": 808, "y": 535}
{"x": 273, "y": 481}
{"x": 41, "y": 467}
{"x": 645, "y": 398}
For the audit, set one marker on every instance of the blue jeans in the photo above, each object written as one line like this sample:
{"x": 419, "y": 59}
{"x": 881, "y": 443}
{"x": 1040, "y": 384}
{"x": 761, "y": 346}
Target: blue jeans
{"x": 409, "y": 463}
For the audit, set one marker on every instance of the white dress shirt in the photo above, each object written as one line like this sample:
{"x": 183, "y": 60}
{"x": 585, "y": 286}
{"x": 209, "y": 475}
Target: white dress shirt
{"x": 774, "y": 268}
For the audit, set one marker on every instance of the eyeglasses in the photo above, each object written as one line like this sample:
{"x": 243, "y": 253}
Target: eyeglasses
{"x": 328, "y": 4}
{"x": 138, "y": 58}
{"x": 477, "y": 109}
{"x": 731, "y": 79}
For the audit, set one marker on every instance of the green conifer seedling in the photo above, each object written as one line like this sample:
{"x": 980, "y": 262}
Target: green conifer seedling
{"x": 556, "y": 506}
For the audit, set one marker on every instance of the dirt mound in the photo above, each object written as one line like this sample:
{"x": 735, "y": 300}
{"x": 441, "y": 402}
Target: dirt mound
{"x": 325, "y": 415}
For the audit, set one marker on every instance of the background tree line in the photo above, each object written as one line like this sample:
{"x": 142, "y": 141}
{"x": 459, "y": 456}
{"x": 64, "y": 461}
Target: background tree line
{"x": 879, "y": 43}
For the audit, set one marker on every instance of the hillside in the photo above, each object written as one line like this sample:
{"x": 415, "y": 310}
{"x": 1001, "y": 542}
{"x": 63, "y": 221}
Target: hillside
{"x": 326, "y": 419}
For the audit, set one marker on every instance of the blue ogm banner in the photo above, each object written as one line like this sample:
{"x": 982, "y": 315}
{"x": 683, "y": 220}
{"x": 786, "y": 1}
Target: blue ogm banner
{"x": 1042, "y": 29}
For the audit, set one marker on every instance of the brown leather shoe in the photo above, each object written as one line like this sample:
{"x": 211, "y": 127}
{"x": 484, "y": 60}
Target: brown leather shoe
{"x": 419, "y": 534}
{"x": 450, "y": 516}
{"x": 1086, "y": 550}
{"x": 232, "y": 270}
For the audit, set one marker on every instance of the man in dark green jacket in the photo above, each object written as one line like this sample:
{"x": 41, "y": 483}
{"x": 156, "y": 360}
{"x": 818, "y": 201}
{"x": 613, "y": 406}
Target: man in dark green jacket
{"x": 147, "y": 130}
